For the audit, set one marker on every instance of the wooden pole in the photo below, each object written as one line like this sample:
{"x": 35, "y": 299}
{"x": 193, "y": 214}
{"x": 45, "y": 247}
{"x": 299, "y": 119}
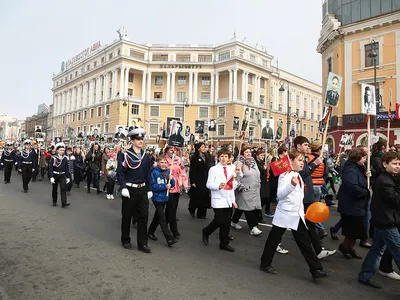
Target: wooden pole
{"x": 389, "y": 119}
{"x": 326, "y": 129}
{"x": 170, "y": 170}
{"x": 369, "y": 148}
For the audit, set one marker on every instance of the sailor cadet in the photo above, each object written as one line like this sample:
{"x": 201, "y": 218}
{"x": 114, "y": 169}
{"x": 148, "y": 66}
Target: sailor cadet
{"x": 26, "y": 164}
{"x": 59, "y": 174}
{"x": 8, "y": 160}
{"x": 134, "y": 176}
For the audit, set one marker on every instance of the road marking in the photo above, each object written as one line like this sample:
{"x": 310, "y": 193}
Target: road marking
{"x": 261, "y": 224}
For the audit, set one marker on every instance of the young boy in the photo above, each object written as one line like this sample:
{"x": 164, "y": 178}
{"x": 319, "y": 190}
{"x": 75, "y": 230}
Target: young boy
{"x": 385, "y": 216}
{"x": 222, "y": 199}
{"x": 59, "y": 174}
{"x": 160, "y": 187}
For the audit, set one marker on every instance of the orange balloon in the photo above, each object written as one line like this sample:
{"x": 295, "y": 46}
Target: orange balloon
{"x": 317, "y": 212}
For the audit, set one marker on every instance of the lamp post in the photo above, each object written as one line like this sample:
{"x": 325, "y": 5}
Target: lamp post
{"x": 374, "y": 55}
{"x": 185, "y": 103}
{"x": 298, "y": 123}
{"x": 282, "y": 89}
{"x": 125, "y": 104}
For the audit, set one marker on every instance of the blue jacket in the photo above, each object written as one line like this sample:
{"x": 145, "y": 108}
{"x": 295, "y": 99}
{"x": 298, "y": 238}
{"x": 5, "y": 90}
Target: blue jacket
{"x": 353, "y": 193}
{"x": 159, "y": 184}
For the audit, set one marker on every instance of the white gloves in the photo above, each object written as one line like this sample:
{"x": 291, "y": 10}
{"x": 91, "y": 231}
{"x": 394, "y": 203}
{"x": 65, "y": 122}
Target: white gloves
{"x": 33, "y": 170}
{"x": 149, "y": 194}
{"x": 67, "y": 180}
{"x": 16, "y": 163}
{"x": 2, "y": 164}
{"x": 125, "y": 193}
{"x": 52, "y": 180}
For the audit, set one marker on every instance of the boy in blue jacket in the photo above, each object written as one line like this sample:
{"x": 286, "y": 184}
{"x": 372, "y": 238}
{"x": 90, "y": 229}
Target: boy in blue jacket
{"x": 159, "y": 185}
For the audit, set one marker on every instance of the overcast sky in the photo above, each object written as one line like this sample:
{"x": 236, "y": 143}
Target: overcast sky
{"x": 38, "y": 35}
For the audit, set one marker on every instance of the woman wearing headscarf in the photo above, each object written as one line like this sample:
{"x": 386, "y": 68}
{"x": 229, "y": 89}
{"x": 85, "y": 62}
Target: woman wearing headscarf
{"x": 93, "y": 165}
{"x": 198, "y": 175}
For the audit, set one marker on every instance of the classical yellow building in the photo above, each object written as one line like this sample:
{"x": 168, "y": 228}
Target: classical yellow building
{"x": 106, "y": 86}
{"x": 352, "y": 31}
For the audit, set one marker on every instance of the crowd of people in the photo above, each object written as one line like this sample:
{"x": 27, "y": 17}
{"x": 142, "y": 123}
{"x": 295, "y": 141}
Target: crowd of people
{"x": 234, "y": 182}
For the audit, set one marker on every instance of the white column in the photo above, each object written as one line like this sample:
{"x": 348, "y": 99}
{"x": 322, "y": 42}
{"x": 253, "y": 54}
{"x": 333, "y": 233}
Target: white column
{"x": 243, "y": 85}
{"x": 55, "y": 105}
{"x": 149, "y": 87}
{"x": 65, "y": 100}
{"x": 98, "y": 89}
{"x": 73, "y": 98}
{"x": 114, "y": 83}
{"x": 195, "y": 89}
{"x": 212, "y": 88}
{"x": 121, "y": 83}
{"x": 190, "y": 87}
{"x": 246, "y": 88}
{"x": 235, "y": 85}
{"x": 173, "y": 87}
{"x": 126, "y": 82}
{"x": 167, "y": 98}
{"x": 230, "y": 86}
{"x": 105, "y": 87}
{"x": 144, "y": 86}
{"x": 257, "y": 86}
{"x": 84, "y": 92}
{"x": 216, "y": 87}
{"x": 78, "y": 96}
{"x": 91, "y": 89}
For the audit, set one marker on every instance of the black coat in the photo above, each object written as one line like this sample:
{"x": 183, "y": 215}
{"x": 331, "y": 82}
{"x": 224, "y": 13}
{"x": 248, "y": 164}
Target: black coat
{"x": 385, "y": 205}
{"x": 353, "y": 194}
{"x": 198, "y": 175}
{"x": 264, "y": 190}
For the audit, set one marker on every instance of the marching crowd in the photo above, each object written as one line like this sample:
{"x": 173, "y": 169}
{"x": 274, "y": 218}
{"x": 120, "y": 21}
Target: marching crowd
{"x": 234, "y": 182}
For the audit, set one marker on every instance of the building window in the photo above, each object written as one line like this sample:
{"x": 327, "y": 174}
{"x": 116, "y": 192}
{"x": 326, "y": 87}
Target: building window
{"x": 280, "y": 108}
{"x": 312, "y": 128}
{"x": 130, "y": 92}
{"x": 153, "y": 129}
{"x": 70, "y": 76}
{"x": 289, "y": 110}
{"x": 203, "y": 112}
{"x": 252, "y": 57}
{"x": 297, "y": 99}
{"x": 264, "y": 63}
{"x": 87, "y": 67}
{"x": 102, "y": 60}
{"x": 312, "y": 103}
{"x": 221, "y": 111}
{"x": 157, "y": 95}
{"x": 135, "y": 109}
{"x": 95, "y": 64}
{"x": 91, "y": 113}
{"x": 271, "y": 91}
{"x": 205, "y": 80}
{"x": 158, "y": 80}
{"x": 160, "y": 57}
{"x": 305, "y": 114}
{"x": 91, "y": 128}
{"x": 63, "y": 120}
{"x": 297, "y": 112}
{"x": 271, "y": 104}
{"x": 318, "y": 117}
{"x": 221, "y": 129}
{"x": 204, "y": 96}
{"x": 130, "y": 77}
{"x": 250, "y": 80}
{"x": 262, "y": 99}
{"x": 224, "y": 56}
{"x": 136, "y": 54}
{"x": 329, "y": 64}
{"x": 118, "y": 52}
{"x": 241, "y": 53}
{"x": 181, "y": 96}
{"x": 154, "y": 111}
{"x": 106, "y": 127}
{"x": 369, "y": 61}
{"x": 79, "y": 116}
{"x": 183, "y": 58}
{"x": 250, "y": 97}
{"x": 179, "y": 111}
{"x": 76, "y": 73}
{"x": 205, "y": 58}
{"x": 264, "y": 115}
{"x": 110, "y": 56}
{"x": 107, "y": 110}
{"x": 181, "y": 80}
{"x": 73, "y": 117}
{"x": 84, "y": 129}
{"x": 252, "y": 113}
{"x": 85, "y": 114}
{"x": 304, "y": 127}
{"x": 251, "y": 131}
{"x": 262, "y": 83}
{"x": 99, "y": 111}
{"x": 312, "y": 116}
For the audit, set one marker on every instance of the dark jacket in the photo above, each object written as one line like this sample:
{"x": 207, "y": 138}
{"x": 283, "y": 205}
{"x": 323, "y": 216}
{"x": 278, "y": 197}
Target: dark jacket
{"x": 385, "y": 205}
{"x": 376, "y": 168}
{"x": 353, "y": 194}
{"x": 264, "y": 190}
{"x": 198, "y": 175}
{"x": 308, "y": 185}
{"x": 93, "y": 161}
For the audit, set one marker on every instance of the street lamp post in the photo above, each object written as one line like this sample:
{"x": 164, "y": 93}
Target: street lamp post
{"x": 125, "y": 104}
{"x": 184, "y": 104}
{"x": 282, "y": 89}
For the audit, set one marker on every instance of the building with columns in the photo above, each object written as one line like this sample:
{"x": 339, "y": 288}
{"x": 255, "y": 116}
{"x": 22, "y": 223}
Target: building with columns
{"x": 115, "y": 84}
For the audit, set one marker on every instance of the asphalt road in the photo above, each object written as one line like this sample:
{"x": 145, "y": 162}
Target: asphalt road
{"x": 53, "y": 253}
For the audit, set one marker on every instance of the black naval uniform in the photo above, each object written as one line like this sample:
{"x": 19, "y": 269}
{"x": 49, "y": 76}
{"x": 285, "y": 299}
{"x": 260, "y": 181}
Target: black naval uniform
{"x": 59, "y": 170}
{"x": 134, "y": 173}
{"x": 26, "y": 163}
{"x": 8, "y": 159}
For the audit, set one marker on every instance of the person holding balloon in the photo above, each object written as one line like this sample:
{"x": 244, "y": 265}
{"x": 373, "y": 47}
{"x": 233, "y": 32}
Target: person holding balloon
{"x": 290, "y": 214}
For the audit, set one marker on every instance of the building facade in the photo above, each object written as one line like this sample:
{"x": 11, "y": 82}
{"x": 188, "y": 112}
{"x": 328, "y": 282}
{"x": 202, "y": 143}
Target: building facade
{"x": 38, "y": 119}
{"x": 351, "y": 31}
{"x": 124, "y": 82}
{"x": 10, "y": 128}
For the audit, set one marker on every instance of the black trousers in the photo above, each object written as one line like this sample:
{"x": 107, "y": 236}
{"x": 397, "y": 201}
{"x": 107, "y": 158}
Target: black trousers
{"x": 35, "y": 173}
{"x": 159, "y": 219}
{"x": 222, "y": 220}
{"x": 110, "y": 187}
{"x": 78, "y": 175}
{"x": 302, "y": 239}
{"x": 170, "y": 211}
{"x": 313, "y": 232}
{"x": 251, "y": 217}
{"x": 60, "y": 179}
{"x": 26, "y": 177}
{"x": 137, "y": 205}
{"x": 7, "y": 171}
{"x": 42, "y": 172}
{"x": 267, "y": 203}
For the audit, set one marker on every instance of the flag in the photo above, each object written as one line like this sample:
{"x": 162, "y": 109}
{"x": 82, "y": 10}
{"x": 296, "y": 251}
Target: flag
{"x": 229, "y": 184}
{"x": 281, "y": 166}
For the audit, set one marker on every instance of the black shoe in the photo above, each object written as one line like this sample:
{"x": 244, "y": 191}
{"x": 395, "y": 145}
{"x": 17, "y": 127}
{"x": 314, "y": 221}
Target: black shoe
{"x": 269, "y": 270}
{"x": 355, "y": 255}
{"x": 319, "y": 274}
{"x": 89, "y": 191}
{"x": 344, "y": 251}
{"x": 170, "y": 242}
{"x": 134, "y": 226}
{"x": 322, "y": 234}
{"x": 333, "y": 234}
{"x": 365, "y": 245}
{"x": 227, "y": 248}
{"x": 99, "y": 192}
{"x": 64, "y": 205}
{"x": 68, "y": 193}
{"x": 205, "y": 239}
{"x": 176, "y": 234}
{"x": 202, "y": 217}
{"x": 262, "y": 221}
{"x": 191, "y": 213}
{"x": 127, "y": 246}
{"x": 145, "y": 249}
{"x": 152, "y": 237}
{"x": 230, "y": 237}
{"x": 25, "y": 191}
{"x": 371, "y": 283}
{"x": 54, "y": 203}
{"x": 78, "y": 186}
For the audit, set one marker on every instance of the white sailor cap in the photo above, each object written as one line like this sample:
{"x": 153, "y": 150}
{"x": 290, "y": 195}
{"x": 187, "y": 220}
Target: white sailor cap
{"x": 60, "y": 145}
{"x": 9, "y": 143}
{"x": 27, "y": 142}
{"x": 137, "y": 133}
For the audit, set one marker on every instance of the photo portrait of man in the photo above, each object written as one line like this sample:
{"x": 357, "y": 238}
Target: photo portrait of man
{"x": 120, "y": 134}
{"x": 38, "y": 128}
{"x": 206, "y": 137}
{"x": 279, "y": 130}
{"x": 212, "y": 126}
{"x": 176, "y": 138}
{"x": 368, "y": 102}
{"x": 333, "y": 85}
{"x": 95, "y": 133}
{"x": 169, "y": 124}
{"x": 267, "y": 131}
{"x": 199, "y": 128}
{"x": 187, "y": 131}
{"x": 236, "y": 123}
{"x": 158, "y": 137}
{"x": 246, "y": 115}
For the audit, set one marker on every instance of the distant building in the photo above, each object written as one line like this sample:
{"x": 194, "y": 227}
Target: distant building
{"x": 10, "y": 128}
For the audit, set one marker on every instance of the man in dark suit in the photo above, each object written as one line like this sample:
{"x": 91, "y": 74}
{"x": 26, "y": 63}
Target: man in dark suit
{"x": 332, "y": 96}
{"x": 267, "y": 132}
{"x": 120, "y": 134}
{"x": 177, "y": 139}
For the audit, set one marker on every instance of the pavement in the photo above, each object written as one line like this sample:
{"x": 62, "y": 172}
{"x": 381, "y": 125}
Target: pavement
{"x": 75, "y": 253}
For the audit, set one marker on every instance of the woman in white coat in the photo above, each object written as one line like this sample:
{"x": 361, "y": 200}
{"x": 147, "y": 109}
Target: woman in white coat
{"x": 290, "y": 214}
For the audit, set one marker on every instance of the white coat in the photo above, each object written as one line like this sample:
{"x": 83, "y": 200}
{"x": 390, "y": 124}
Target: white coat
{"x": 290, "y": 208}
{"x": 221, "y": 198}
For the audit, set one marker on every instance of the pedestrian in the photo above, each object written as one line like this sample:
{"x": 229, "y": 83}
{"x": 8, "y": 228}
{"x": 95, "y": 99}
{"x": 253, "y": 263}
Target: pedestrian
{"x": 104, "y": 159}
{"x": 134, "y": 176}
{"x": 36, "y": 150}
{"x": 8, "y": 160}
{"x": 385, "y": 212}
{"x": 71, "y": 159}
{"x": 78, "y": 166}
{"x": 111, "y": 174}
{"x": 59, "y": 174}
{"x": 290, "y": 214}
{"x": 162, "y": 182}
{"x": 221, "y": 182}
{"x": 42, "y": 163}
{"x": 26, "y": 164}
{"x": 93, "y": 167}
